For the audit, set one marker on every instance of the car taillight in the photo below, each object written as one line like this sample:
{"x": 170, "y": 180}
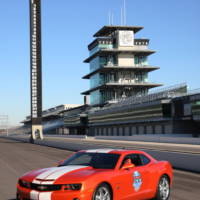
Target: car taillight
{"x": 72, "y": 186}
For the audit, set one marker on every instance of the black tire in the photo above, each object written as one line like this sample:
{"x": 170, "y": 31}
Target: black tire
{"x": 163, "y": 189}
{"x": 102, "y": 189}
{"x": 17, "y": 197}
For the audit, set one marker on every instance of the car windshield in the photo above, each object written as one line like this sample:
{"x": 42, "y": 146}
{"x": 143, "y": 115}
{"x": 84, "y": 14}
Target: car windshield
{"x": 95, "y": 160}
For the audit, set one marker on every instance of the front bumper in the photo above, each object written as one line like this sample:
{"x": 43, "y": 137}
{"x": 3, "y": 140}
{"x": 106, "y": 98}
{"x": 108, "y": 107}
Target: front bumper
{"x": 27, "y": 194}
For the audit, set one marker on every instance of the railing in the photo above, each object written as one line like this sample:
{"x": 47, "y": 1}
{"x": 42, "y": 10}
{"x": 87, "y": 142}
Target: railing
{"x": 134, "y": 65}
{"x": 127, "y": 82}
{"x": 195, "y": 91}
{"x": 170, "y": 88}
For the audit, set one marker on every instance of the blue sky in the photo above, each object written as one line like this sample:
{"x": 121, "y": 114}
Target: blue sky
{"x": 172, "y": 26}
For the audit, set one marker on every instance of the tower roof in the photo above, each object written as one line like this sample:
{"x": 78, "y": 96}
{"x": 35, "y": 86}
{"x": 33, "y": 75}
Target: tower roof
{"x": 106, "y": 30}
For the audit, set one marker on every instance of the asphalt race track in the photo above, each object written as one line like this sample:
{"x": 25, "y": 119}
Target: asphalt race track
{"x": 17, "y": 157}
{"x": 181, "y": 156}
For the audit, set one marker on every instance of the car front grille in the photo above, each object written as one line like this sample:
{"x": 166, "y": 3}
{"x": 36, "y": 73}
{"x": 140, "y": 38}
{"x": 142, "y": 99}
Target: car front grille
{"x": 45, "y": 187}
{"x": 40, "y": 187}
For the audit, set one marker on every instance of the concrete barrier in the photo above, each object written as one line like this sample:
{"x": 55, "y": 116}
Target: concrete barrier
{"x": 179, "y": 160}
{"x": 68, "y": 136}
{"x": 175, "y": 139}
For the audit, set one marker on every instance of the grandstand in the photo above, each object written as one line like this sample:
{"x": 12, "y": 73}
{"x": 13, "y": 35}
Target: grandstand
{"x": 76, "y": 120}
{"x": 173, "y": 110}
{"x": 52, "y": 121}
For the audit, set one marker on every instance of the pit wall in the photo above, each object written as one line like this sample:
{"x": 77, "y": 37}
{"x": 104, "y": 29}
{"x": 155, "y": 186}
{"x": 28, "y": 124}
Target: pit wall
{"x": 168, "y": 138}
{"x": 148, "y": 128}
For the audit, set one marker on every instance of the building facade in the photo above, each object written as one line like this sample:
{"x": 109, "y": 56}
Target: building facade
{"x": 118, "y": 65}
{"x": 173, "y": 111}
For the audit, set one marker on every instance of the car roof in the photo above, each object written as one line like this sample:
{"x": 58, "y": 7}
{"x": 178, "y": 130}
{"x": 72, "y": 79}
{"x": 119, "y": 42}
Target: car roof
{"x": 117, "y": 151}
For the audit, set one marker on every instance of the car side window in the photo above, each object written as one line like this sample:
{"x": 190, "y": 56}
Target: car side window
{"x": 124, "y": 160}
{"x": 135, "y": 159}
{"x": 144, "y": 159}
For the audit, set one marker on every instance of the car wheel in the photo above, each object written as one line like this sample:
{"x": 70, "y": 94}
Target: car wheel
{"x": 17, "y": 197}
{"x": 163, "y": 189}
{"x": 102, "y": 192}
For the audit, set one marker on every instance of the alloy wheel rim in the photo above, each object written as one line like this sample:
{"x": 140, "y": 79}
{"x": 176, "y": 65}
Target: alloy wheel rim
{"x": 102, "y": 194}
{"x": 164, "y": 188}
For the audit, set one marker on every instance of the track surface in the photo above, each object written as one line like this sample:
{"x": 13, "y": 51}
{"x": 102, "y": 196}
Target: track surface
{"x": 17, "y": 158}
{"x": 181, "y": 156}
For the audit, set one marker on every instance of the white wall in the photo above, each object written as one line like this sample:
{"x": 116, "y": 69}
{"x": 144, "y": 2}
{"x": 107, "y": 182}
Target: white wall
{"x": 125, "y": 59}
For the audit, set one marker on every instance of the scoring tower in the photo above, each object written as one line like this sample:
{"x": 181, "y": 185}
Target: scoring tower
{"x": 118, "y": 65}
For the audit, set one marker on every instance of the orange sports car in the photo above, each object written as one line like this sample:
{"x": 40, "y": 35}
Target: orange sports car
{"x": 100, "y": 174}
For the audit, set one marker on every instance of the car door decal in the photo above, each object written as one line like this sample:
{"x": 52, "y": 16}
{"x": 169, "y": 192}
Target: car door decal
{"x": 137, "y": 180}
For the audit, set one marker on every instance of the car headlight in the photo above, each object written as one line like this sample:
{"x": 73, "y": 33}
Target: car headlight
{"x": 24, "y": 183}
{"x": 72, "y": 186}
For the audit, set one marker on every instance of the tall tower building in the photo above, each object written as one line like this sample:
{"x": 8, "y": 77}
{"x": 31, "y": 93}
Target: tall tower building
{"x": 118, "y": 65}
{"x": 36, "y": 68}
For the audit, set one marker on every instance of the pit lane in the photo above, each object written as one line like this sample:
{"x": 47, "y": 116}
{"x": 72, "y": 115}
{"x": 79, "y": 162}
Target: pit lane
{"x": 17, "y": 157}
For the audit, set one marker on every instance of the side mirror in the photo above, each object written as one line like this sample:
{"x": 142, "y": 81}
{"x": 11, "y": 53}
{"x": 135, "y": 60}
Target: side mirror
{"x": 127, "y": 166}
{"x": 60, "y": 163}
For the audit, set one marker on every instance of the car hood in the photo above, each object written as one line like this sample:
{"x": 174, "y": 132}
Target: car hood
{"x": 61, "y": 175}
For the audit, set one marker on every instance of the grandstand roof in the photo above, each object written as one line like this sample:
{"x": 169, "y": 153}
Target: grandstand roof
{"x": 53, "y": 112}
{"x": 78, "y": 107}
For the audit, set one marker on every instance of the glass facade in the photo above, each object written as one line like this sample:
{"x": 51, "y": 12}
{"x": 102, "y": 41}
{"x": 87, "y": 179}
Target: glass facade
{"x": 96, "y": 80}
{"x": 140, "y": 60}
{"x": 107, "y": 95}
{"x": 124, "y": 77}
{"x": 100, "y": 61}
{"x": 108, "y": 60}
{"x": 102, "y": 96}
{"x": 94, "y": 64}
{"x": 99, "y": 47}
{"x": 141, "y": 77}
{"x": 95, "y": 97}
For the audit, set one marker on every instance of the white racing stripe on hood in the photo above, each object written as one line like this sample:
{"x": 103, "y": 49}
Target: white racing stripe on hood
{"x": 45, "y": 174}
{"x": 45, "y": 196}
{"x": 54, "y": 173}
{"x": 45, "y": 182}
{"x": 34, "y": 195}
{"x": 64, "y": 170}
{"x": 99, "y": 150}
